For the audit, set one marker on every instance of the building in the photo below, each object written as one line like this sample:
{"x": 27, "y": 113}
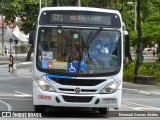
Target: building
{"x": 13, "y": 31}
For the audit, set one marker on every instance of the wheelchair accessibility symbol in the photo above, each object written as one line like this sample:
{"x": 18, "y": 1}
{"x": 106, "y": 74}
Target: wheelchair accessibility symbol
{"x": 72, "y": 67}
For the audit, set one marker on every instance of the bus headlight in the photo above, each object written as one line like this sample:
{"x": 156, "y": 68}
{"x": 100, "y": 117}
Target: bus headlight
{"x": 111, "y": 87}
{"x": 44, "y": 85}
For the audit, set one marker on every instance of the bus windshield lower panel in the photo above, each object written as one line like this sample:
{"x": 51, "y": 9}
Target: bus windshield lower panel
{"x": 78, "y": 51}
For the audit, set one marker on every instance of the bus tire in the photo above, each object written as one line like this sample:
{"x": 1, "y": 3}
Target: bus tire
{"x": 39, "y": 108}
{"x": 103, "y": 111}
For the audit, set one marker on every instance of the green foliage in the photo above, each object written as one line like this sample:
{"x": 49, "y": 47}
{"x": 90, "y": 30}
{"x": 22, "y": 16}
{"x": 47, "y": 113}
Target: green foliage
{"x": 149, "y": 13}
{"x": 101, "y": 3}
{"x": 27, "y": 8}
{"x": 148, "y": 69}
{"x": 150, "y": 20}
{"x": 133, "y": 38}
{"x": 151, "y": 69}
{"x": 28, "y": 24}
{"x": 151, "y": 29}
{"x": 63, "y": 2}
{"x": 128, "y": 72}
{"x": 158, "y": 55}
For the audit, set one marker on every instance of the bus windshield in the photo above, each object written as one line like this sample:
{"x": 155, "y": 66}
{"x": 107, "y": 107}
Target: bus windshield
{"x": 78, "y": 50}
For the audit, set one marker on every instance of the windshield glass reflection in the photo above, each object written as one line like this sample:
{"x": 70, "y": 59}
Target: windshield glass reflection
{"x": 78, "y": 51}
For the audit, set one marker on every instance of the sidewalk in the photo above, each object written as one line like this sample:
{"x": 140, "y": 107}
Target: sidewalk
{"x": 149, "y": 90}
{"x": 17, "y": 58}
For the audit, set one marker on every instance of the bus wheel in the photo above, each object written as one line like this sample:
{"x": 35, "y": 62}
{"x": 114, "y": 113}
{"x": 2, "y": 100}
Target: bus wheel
{"x": 39, "y": 108}
{"x": 103, "y": 111}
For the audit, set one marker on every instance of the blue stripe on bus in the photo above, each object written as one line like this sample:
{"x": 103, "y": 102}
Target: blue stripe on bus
{"x": 49, "y": 76}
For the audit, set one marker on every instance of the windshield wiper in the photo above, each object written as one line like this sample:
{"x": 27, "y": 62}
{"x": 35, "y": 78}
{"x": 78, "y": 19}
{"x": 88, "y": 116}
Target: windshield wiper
{"x": 90, "y": 40}
{"x": 65, "y": 36}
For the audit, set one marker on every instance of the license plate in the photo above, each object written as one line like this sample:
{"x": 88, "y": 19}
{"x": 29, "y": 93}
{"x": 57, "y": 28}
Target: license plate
{"x": 109, "y": 100}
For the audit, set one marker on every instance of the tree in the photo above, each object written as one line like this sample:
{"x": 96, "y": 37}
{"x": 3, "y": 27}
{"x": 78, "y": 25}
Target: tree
{"x": 31, "y": 41}
{"x": 97, "y": 3}
{"x": 150, "y": 30}
{"x": 21, "y": 8}
{"x": 139, "y": 47}
{"x": 73, "y": 2}
{"x": 149, "y": 13}
{"x": 150, "y": 23}
{"x": 15, "y": 8}
{"x": 55, "y": 3}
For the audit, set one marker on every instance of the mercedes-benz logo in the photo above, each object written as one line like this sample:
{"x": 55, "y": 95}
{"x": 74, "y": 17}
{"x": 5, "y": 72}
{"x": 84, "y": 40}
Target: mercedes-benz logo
{"x": 77, "y": 90}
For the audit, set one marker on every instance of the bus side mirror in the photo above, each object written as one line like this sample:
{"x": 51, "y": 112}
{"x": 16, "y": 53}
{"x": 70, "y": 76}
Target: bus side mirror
{"x": 127, "y": 46}
{"x": 32, "y": 37}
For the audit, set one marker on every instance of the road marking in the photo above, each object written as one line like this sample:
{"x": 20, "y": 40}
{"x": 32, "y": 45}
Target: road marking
{"x": 2, "y": 69}
{"x": 128, "y": 107}
{"x": 2, "y": 66}
{"x": 140, "y": 99}
{"x": 20, "y": 94}
{"x": 9, "y": 107}
{"x": 11, "y": 98}
{"x": 143, "y": 108}
{"x": 138, "y": 104}
{"x": 24, "y": 63}
{"x": 146, "y": 109}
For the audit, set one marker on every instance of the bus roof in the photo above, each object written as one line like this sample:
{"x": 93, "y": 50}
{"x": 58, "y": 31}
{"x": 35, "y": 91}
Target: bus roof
{"x": 80, "y": 9}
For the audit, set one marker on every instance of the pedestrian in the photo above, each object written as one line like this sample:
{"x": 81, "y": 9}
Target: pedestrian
{"x": 154, "y": 51}
{"x": 5, "y": 50}
{"x": 11, "y": 63}
{"x": 148, "y": 47}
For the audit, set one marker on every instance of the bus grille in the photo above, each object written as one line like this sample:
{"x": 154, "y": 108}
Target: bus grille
{"x": 72, "y": 90}
{"x": 78, "y": 82}
{"x": 79, "y": 99}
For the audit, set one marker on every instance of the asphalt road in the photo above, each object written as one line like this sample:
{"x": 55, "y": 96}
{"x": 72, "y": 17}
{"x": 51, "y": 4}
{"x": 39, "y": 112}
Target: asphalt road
{"x": 16, "y": 95}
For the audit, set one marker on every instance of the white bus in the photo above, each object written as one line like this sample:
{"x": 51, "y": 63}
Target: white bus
{"x": 70, "y": 68}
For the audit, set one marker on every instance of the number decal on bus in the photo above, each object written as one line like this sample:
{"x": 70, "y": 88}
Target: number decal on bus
{"x": 57, "y": 17}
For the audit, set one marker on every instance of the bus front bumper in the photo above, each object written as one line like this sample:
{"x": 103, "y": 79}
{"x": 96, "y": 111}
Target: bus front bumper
{"x": 41, "y": 97}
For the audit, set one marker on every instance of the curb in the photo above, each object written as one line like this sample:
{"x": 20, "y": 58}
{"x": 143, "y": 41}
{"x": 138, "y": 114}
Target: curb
{"x": 140, "y": 92}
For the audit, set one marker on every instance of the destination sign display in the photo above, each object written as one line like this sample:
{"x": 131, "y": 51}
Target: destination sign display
{"x": 82, "y": 18}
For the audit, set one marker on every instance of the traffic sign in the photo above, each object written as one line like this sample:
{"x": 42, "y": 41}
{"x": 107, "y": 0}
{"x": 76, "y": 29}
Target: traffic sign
{"x": 10, "y": 40}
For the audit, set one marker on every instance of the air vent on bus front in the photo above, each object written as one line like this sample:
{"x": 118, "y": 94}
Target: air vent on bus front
{"x": 78, "y": 82}
{"x": 72, "y": 90}
{"x": 80, "y": 99}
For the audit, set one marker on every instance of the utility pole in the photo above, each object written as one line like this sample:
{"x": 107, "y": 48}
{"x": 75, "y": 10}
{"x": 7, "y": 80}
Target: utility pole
{"x": 135, "y": 14}
{"x": 2, "y": 28}
{"x": 10, "y": 40}
{"x": 40, "y": 3}
{"x": 135, "y": 9}
{"x": 79, "y": 3}
{"x": 2, "y": 32}
{"x": 46, "y": 3}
